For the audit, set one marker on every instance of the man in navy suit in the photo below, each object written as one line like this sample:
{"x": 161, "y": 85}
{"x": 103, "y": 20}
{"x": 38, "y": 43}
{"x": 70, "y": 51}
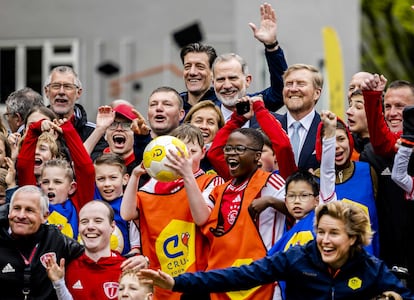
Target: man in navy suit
{"x": 301, "y": 91}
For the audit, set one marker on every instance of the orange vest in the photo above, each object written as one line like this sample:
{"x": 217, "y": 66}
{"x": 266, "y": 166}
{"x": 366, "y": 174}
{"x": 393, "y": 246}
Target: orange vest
{"x": 242, "y": 243}
{"x": 169, "y": 236}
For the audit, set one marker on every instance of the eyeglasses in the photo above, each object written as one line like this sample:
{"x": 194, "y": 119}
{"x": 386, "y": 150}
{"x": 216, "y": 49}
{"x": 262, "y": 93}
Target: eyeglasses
{"x": 7, "y": 115}
{"x": 302, "y": 197}
{"x": 239, "y": 149}
{"x": 66, "y": 86}
{"x": 124, "y": 125}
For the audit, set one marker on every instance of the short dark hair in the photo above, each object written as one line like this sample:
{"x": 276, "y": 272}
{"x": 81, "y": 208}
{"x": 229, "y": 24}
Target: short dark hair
{"x": 306, "y": 176}
{"x": 199, "y": 48}
{"x": 254, "y": 135}
{"x": 168, "y": 89}
{"x": 396, "y": 84}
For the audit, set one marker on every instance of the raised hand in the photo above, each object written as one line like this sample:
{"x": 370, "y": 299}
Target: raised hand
{"x": 374, "y": 83}
{"x": 54, "y": 271}
{"x": 329, "y": 123}
{"x": 13, "y": 140}
{"x": 139, "y": 126}
{"x": 267, "y": 31}
{"x": 105, "y": 116}
{"x": 159, "y": 278}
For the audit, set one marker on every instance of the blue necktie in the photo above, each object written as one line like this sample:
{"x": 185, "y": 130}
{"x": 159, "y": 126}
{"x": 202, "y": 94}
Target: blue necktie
{"x": 295, "y": 139}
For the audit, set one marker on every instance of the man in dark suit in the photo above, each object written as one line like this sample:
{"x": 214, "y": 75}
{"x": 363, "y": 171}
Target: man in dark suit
{"x": 301, "y": 91}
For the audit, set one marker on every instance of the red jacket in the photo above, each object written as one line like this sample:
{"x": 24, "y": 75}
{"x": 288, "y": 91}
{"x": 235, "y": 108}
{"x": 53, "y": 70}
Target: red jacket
{"x": 270, "y": 126}
{"x": 87, "y": 279}
{"x": 82, "y": 163}
{"x": 381, "y": 137}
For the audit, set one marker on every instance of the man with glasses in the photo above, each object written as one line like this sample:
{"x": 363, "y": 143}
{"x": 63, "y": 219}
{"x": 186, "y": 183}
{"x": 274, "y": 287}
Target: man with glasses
{"x": 18, "y": 105}
{"x": 63, "y": 88}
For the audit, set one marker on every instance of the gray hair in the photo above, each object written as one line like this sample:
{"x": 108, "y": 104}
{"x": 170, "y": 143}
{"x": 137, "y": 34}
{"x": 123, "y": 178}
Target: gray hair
{"x": 44, "y": 201}
{"x": 63, "y": 69}
{"x": 23, "y": 100}
{"x": 230, "y": 56}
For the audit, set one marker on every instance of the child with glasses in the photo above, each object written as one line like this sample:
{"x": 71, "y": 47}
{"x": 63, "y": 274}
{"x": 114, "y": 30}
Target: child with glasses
{"x": 277, "y": 154}
{"x": 117, "y": 124}
{"x": 302, "y": 197}
{"x": 235, "y": 235}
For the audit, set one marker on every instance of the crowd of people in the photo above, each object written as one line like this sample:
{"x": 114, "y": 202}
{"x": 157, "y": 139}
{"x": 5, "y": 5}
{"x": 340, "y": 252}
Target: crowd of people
{"x": 268, "y": 206}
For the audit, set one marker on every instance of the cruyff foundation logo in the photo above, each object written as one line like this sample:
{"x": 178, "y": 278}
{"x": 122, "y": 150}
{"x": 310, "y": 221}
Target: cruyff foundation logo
{"x": 175, "y": 247}
{"x": 355, "y": 283}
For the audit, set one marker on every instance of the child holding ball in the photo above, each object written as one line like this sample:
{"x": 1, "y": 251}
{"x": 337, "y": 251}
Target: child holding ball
{"x": 170, "y": 237}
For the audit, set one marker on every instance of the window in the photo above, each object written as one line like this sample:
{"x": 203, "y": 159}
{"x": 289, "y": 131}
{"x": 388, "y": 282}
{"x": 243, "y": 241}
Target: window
{"x": 28, "y": 62}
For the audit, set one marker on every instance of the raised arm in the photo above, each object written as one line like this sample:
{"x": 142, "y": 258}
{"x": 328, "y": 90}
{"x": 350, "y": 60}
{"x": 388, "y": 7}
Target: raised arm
{"x": 129, "y": 200}
{"x": 267, "y": 34}
{"x": 26, "y": 157}
{"x": 382, "y": 139}
{"x": 82, "y": 164}
{"x": 327, "y": 169}
{"x": 278, "y": 136}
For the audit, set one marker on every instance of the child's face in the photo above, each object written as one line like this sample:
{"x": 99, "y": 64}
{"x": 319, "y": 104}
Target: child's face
{"x": 242, "y": 165}
{"x": 56, "y": 185}
{"x": 42, "y": 155}
{"x": 120, "y": 139}
{"x": 300, "y": 199}
{"x": 2, "y": 154}
{"x": 110, "y": 181}
{"x": 357, "y": 118}
{"x": 129, "y": 288}
{"x": 268, "y": 159}
{"x": 343, "y": 151}
{"x": 196, "y": 153}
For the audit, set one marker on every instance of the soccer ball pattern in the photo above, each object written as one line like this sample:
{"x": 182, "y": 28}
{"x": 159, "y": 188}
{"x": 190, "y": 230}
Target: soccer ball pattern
{"x": 155, "y": 157}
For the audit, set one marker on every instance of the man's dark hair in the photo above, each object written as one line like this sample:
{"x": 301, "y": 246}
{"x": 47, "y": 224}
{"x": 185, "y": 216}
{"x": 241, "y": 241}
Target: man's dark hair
{"x": 199, "y": 48}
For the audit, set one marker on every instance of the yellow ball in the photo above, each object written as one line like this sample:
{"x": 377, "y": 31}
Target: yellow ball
{"x": 155, "y": 157}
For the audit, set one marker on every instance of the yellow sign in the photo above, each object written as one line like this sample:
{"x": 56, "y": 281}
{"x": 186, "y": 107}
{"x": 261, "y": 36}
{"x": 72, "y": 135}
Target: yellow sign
{"x": 334, "y": 70}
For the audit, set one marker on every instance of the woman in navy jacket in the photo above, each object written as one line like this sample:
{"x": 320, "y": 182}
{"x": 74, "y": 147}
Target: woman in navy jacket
{"x": 333, "y": 266}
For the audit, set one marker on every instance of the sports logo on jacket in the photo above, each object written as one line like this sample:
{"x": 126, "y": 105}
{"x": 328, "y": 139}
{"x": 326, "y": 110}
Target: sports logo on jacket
{"x": 47, "y": 255}
{"x": 175, "y": 247}
{"x": 111, "y": 289}
{"x": 355, "y": 283}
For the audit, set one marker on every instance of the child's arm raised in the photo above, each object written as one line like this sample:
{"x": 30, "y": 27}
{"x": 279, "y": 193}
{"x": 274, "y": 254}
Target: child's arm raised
{"x": 327, "y": 184}
{"x": 129, "y": 200}
{"x": 82, "y": 164}
{"x": 183, "y": 166}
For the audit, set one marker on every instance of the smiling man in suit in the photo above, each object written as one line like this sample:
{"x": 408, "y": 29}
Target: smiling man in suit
{"x": 301, "y": 91}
